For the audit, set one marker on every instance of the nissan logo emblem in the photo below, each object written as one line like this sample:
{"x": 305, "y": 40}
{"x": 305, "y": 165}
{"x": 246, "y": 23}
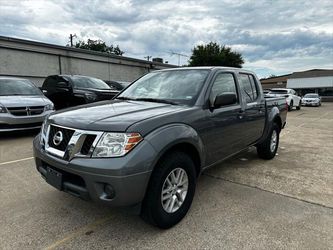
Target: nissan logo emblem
{"x": 57, "y": 138}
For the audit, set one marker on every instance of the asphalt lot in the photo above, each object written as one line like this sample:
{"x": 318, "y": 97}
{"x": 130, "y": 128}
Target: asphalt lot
{"x": 244, "y": 203}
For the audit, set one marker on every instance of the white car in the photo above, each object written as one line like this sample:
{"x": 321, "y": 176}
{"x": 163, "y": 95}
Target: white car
{"x": 293, "y": 100}
{"x": 311, "y": 99}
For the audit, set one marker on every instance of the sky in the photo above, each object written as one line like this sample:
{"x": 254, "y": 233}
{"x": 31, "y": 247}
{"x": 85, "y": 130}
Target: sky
{"x": 274, "y": 36}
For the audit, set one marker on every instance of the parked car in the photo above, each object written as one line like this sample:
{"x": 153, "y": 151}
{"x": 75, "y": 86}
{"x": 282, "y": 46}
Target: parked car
{"x": 72, "y": 90}
{"x": 293, "y": 100}
{"x": 266, "y": 92}
{"x": 311, "y": 99}
{"x": 22, "y": 105}
{"x": 150, "y": 143}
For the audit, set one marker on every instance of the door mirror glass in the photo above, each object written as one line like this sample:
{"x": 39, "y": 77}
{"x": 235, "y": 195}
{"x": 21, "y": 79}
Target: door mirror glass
{"x": 225, "y": 99}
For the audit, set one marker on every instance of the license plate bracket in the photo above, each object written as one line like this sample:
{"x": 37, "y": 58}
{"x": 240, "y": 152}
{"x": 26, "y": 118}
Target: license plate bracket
{"x": 54, "y": 178}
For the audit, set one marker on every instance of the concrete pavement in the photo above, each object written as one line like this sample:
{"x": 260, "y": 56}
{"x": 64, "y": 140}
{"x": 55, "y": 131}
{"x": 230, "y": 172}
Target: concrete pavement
{"x": 244, "y": 203}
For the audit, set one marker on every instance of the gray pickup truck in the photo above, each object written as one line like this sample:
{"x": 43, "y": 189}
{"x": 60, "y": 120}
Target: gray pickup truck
{"x": 150, "y": 143}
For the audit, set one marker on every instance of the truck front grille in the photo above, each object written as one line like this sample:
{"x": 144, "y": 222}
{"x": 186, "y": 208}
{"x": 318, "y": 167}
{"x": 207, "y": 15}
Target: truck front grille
{"x": 68, "y": 142}
{"x": 66, "y": 135}
{"x": 88, "y": 142}
{"x": 26, "y": 111}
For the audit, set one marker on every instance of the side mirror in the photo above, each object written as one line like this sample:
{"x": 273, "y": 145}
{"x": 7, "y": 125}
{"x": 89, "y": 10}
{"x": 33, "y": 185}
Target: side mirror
{"x": 64, "y": 86}
{"x": 227, "y": 98}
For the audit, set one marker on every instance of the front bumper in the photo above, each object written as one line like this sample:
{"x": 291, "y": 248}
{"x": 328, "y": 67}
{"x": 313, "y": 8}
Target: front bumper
{"x": 9, "y": 122}
{"x": 88, "y": 178}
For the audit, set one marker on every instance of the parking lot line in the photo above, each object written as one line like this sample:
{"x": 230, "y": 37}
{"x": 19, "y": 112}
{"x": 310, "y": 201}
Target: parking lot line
{"x": 81, "y": 230}
{"x": 9, "y": 162}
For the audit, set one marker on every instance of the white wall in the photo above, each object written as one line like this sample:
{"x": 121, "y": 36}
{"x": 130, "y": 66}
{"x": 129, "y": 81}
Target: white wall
{"x": 314, "y": 82}
{"x": 35, "y": 61}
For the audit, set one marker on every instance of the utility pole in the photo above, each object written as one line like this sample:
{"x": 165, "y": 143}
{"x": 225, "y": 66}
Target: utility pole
{"x": 71, "y": 39}
{"x": 147, "y": 57}
{"x": 179, "y": 55}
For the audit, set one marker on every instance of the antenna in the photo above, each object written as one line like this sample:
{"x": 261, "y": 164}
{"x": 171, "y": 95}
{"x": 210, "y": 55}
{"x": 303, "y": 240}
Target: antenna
{"x": 179, "y": 55}
{"x": 148, "y": 57}
{"x": 71, "y": 39}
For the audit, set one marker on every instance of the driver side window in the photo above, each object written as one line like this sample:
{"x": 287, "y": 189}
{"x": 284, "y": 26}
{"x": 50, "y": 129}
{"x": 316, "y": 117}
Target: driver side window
{"x": 224, "y": 83}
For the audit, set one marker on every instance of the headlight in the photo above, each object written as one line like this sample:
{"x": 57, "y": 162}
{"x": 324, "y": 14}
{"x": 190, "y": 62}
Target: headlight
{"x": 90, "y": 96}
{"x": 3, "y": 109}
{"x": 43, "y": 129}
{"x": 116, "y": 144}
{"x": 43, "y": 132}
{"x": 48, "y": 107}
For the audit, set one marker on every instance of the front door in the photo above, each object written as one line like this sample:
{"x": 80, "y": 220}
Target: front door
{"x": 224, "y": 135}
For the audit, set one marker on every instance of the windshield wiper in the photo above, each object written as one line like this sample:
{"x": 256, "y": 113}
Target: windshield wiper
{"x": 125, "y": 98}
{"x": 146, "y": 100}
{"x": 156, "y": 100}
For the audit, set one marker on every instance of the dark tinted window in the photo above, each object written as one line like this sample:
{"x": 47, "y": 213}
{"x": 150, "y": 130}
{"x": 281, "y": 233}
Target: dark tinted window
{"x": 224, "y": 82}
{"x": 89, "y": 82}
{"x": 50, "y": 82}
{"x": 249, "y": 87}
{"x": 279, "y": 91}
{"x": 18, "y": 87}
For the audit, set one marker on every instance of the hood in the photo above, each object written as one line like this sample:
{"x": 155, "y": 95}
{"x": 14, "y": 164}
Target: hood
{"x": 115, "y": 115}
{"x": 24, "y": 101}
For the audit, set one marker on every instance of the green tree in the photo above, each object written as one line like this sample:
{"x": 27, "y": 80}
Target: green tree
{"x": 99, "y": 45}
{"x": 213, "y": 54}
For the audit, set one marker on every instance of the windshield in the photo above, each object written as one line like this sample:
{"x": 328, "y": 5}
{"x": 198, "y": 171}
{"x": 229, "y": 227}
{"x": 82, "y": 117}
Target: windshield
{"x": 279, "y": 91}
{"x": 18, "y": 87}
{"x": 89, "y": 82}
{"x": 311, "y": 96}
{"x": 176, "y": 86}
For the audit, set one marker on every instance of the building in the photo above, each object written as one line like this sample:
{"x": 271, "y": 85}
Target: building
{"x": 36, "y": 60}
{"x": 310, "y": 81}
{"x": 275, "y": 82}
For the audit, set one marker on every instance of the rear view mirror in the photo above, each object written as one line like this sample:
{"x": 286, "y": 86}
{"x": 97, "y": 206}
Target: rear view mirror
{"x": 227, "y": 98}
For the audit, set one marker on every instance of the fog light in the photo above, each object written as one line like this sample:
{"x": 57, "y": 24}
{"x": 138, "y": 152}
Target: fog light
{"x": 109, "y": 191}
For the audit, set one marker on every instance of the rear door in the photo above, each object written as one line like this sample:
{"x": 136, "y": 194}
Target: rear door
{"x": 253, "y": 108}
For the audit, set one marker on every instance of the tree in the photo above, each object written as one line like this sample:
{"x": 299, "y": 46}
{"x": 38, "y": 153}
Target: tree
{"x": 99, "y": 45}
{"x": 213, "y": 54}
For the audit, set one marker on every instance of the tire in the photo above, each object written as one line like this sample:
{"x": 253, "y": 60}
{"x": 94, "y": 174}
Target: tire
{"x": 299, "y": 106}
{"x": 290, "y": 107}
{"x": 265, "y": 149}
{"x": 153, "y": 210}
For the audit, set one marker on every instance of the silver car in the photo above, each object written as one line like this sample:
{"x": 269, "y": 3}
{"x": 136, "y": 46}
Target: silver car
{"x": 22, "y": 105}
{"x": 311, "y": 99}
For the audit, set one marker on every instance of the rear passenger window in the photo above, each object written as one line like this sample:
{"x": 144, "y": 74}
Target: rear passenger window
{"x": 224, "y": 82}
{"x": 49, "y": 82}
{"x": 249, "y": 87}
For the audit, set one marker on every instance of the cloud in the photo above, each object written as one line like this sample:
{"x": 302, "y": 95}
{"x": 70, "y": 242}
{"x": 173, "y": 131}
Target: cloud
{"x": 273, "y": 36}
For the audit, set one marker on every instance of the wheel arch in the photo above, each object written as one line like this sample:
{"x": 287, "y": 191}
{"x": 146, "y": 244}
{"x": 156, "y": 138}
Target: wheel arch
{"x": 177, "y": 137}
